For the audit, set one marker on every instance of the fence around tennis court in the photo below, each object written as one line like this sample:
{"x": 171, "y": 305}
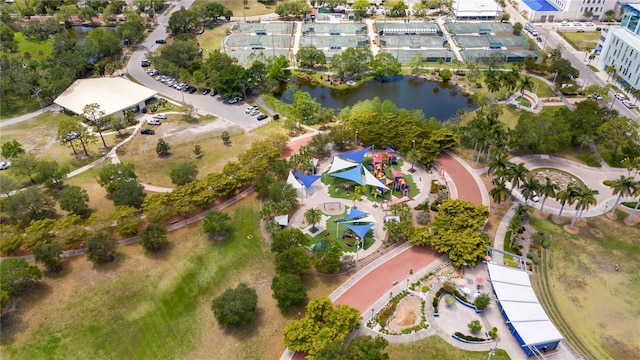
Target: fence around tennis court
{"x": 264, "y": 27}
{"x": 474, "y": 41}
{"x": 474, "y": 28}
{"x": 258, "y": 42}
{"x": 243, "y": 55}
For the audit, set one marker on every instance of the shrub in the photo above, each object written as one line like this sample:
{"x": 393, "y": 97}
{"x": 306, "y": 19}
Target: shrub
{"x": 434, "y": 186}
{"x": 435, "y": 205}
{"x": 468, "y": 337}
{"x": 475, "y": 326}
{"x": 235, "y": 307}
{"x": 537, "y": 237}
{"x": 154, "y": 237}
{"x": 423, "y": 217}
{"x": 493, "y": 333}
{"x": 101, "y": 248}
{"x": 534, "y": 257}
{"x": 425, "y": 288}
{"x": 482, "y": 301}
{"x": 449, "y": 300}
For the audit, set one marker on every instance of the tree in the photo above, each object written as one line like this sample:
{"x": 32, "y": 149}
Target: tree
{"x": 517, "y": 28}
{"x": 8, "y": 184}
{"x": 11, "y": 149}
{"x": 385, "y": 65}
{"x": 212, "y": 11}
{"x": 101, "y": 248}
{"x": 225, "y": 137}
{"x": 112, "y": 175}
{"x": 130, "y": 193}
{"x": 183, "y": 21}
{"x": 617, "y": 132}
{"x": 567, "y": 195}
{"x": 564, "y": 69}
{"x": 197, "y": 151}
{"x": 398, "y": 230}
{"x": 49, "y": 255}
{"x": 313, "y": 216}
{"x": 29, "y": 204}
{"x": 548, "y": 189}
{"x": 516, "y": 173}
{"x": 184, "y": 172}
{"x": 127, "y": 220}
{"x": 75, "y": 200}
{"x": 475, "y": 326}
{"x": 530, "y": 187}
{"x": 526, "y": 84}
{"x": 499, "y": 193}
{"x": 367, "y": 347}
{"x": 294, "y": 260}
{"x": 100, "y": 43}
{"x": 235, "y": 307}
{"x": 288, "y": 290}
{"x": 585, "y": 197}
{"x": 482, "y": 301}
{"x": 304, "y": 107}
{"x": 17, "y": 277}
{"x": 232, "y": 81}
{"x": 288, "y": 238}
{"x": 154, "y": 237}
{"x": 322, "y": 324}
{"x": 326, "y": 258}
{"x": 48, "y": 172}
{"x": 216, "y": 224}
{"x": 310, "y": 56}
{"x": 162, "y": 148}
{"x": 70, "y": 130}
{"x": 623, "y": 186}
{"x": 26, "y": 165}
{"x": 132, "y": 30}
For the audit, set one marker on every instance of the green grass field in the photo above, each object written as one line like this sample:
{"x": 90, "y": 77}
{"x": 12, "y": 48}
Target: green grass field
{"x": 157, "y": 306}
{"x": 435, "y": 348}
{"x": 37, "y": 49}
{"x": 580, "y": 41}
{"x": 584, "y": 281}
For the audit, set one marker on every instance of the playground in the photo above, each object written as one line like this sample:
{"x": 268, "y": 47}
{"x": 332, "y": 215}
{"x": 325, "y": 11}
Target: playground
{"x": 354, "y": 195}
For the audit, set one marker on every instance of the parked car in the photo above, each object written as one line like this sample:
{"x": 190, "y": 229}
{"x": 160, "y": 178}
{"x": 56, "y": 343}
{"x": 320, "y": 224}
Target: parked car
{"x": 250, "y": 109}
{"x": 234, "y": 100}
{"x": 70, "y": 136}
{"x": 579, "y": 30}
{"x": 262, "y": 117}
{"x": 161, "y": 41}
{"x": 628, "y": 104}
{"x": 154, "y": 122}
{"x": 191, "y": 90}
{"x": 147, "y": 132}
{"x": 620, "y": 96}
{"x": 254, "y": 112}
{"x": 5, "y": 165}
{"x": 214, "y": 92}
{"x": 160, "y": 116}
{"x": 596, "y": 97}
{"x": 539, "y": 39}
{"x": 205, "y": 91}
{"x": 535, "y": 197}
{"x": 589, "y": 24}
{"x": 564, "y": 23}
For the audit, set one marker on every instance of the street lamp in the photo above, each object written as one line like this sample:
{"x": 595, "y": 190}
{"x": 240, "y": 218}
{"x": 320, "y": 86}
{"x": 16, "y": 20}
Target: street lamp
{"x": 407, "y": 283}
{"x": 372, "y": 310}
{"x": 493, "y": 351}
{"x": 356, "y": 140}
{"x": 413, "y": 144}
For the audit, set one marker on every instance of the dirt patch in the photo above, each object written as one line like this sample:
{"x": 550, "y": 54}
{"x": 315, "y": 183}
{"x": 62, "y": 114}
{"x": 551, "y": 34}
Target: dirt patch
{"x": 408, "y": 314}
{"x": 558, "y": 178}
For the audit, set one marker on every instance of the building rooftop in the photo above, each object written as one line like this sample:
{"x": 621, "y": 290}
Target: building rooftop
{"x": 539, "y": 5}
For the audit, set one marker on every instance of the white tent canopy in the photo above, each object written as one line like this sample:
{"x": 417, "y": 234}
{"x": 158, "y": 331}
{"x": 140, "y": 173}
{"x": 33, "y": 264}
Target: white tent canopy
{"x": 340, "y": 164}
{"x": 369, "y": 179}
{"x": 282, "y": 220}
{"x": 291, "y": 180}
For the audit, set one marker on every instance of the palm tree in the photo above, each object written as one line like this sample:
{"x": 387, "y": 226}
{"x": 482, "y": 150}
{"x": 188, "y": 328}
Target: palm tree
{"x": 567, "y": 195}
{"x": 492, "y": 81}
{"x": 516, "y": 173}
{"x": 591, "y": 57}
{"x": 526, "y": 84}
{"x": 530, "y": 187}
{"x": 413, "y": 155}
{"x": 624, "y": 186}
{"x": 548, "y": 189}
{"x": 498, "y": 163}
{"x": 586, "y": 198}
{"x": 509, "y": 80}
{"x": 635, "y": 209}
{"x": 583, "y": 139}
{"x": 611, "y": 70}
{"x": 587, "y": 50}
{"x": 499, "y": 193}
{"x": 313, "y": 216}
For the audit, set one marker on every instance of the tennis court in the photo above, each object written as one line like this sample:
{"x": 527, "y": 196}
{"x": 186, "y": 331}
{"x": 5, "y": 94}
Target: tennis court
{"x": 474, "y": 28}
{"x": 508, "y": 55}
{"x": 411, "y": 41}
{"x": 334, "y": 28}
{"x": 243, "y": 55}
{"x": 408, "y": 28}
{"x": 406, "y": 56}
{"x": 269, "y": 28}
{"x": 473, "y": 41}
{"x": 258, "y": 41}
{"x": 334, "y": 42}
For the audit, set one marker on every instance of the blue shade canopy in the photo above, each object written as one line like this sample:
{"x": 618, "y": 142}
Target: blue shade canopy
{"x": 390, "y": 149}
{"x": 356, "y": 155}
{"x": 360, "y": 230}
{"x": 353, "y": 174}
{"x": 307, "y": 180}
{"x": 354, "y": 214}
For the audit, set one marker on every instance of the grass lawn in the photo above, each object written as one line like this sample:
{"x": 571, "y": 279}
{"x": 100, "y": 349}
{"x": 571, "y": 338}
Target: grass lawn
{"x": 593, "y": 68}
{"x": 212, "y": 39}
{"x": 157, "y": 306}
{"x": 253, "y": 7}
{"x": 99, "y": 203}
{"x": 581, "y": 40}
{"x": 541, "y": 88}
{"x": 330, "y": 228}
{"x": 435, "y": 348}
{"x": 155, "y": 170}
{"x": 523, "y": 101}
{"x": 584, "y": 281}
{"x": 37, "y": 48}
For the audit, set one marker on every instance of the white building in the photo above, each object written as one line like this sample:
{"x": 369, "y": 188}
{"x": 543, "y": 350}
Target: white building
{"x": 559, "y": 10}
{"x": 621, "y": 49}
{"x": 114, "y": 95}
{"x": 476, "y": 10}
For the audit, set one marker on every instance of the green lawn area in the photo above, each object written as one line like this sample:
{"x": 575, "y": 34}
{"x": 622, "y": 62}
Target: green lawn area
{"x": 212, "y": 39}
{"x": 435, "y": 348}
{"x": 541, "y": 88}
{"x": 330, "y": 229}
{"x": 157, "y": 306}
{"x": 581, "y": 40}
{"x": 253, "y": 7}
{"x": 37, "y": 48}
{"x": 584, "y": 281}
{"x": 523, "y": 102}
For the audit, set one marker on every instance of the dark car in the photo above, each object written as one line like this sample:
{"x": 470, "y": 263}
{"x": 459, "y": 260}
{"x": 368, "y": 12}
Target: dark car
{"x": 262, "y": 117}
{"x": 147, "y": 132}
{"x": 214, "y": 92}
{"x": 205, "y": 91}
{"x": 192, "y": 90}
{"x": 539, "y": 39}
{"x": 161, "y": 41}
{"x": 145, "y": 63}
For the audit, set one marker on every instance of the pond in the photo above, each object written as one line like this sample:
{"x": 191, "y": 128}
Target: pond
{"x": 437, "y": 100}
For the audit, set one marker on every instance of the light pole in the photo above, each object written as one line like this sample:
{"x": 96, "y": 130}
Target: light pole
{"x": 493, "y": 351}
{"x": 413, "y": 144}
{"x": 407, "y": 283}
{"x": 356, "y": 139}
{"x": 372, "y": 310}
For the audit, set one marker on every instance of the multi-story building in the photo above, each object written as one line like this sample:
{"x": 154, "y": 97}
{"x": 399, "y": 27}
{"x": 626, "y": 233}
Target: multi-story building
{"x": 559, "y": 10}
{"x": 621, "y": 48}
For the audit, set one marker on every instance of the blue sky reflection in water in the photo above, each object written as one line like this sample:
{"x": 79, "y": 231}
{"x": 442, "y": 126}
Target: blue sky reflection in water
{"x": 434, "y": 99}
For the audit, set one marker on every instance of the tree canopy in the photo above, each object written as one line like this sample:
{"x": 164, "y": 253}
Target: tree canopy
{"x": 235, "y": 307}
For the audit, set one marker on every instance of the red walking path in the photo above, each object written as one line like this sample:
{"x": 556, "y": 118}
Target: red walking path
{"x": 363, "y": 294}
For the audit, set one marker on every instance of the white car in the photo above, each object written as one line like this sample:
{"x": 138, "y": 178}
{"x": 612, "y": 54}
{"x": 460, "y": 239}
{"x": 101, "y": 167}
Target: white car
{"x": 254, "y": 112}
{"x": 160, "y": 116}
{"x": 154, "y": 122}
{"x": 535, "y": 197}
{"x": 589, "y": 24}
{"x": 628, "y": 104}
{"x": 250, "y": 109}
{"x": 564, "y": 23}
{"x": 5, "y": 165}
{"x": 620, "y": 96}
